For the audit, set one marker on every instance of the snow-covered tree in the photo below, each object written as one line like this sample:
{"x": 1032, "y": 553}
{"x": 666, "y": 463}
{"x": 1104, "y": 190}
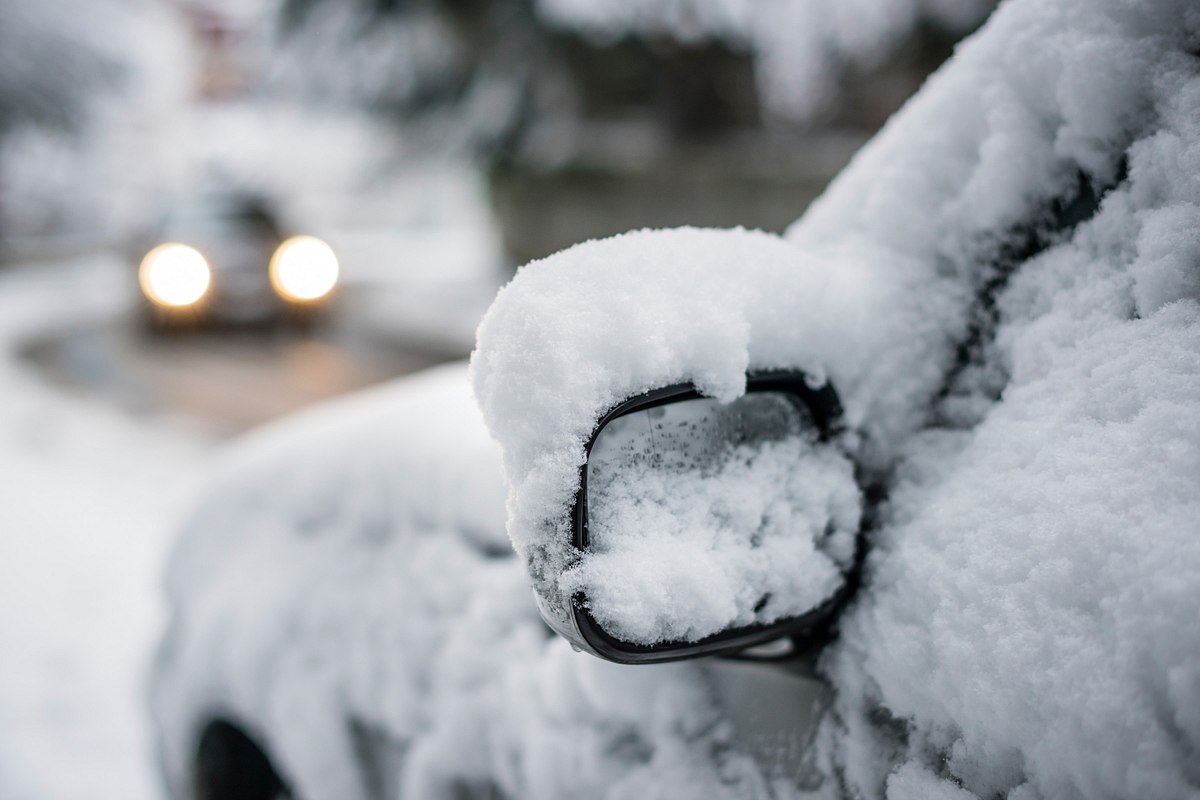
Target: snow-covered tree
{"x": 85, "y": 86}
{"x": 458, "y": 68}
{"x": 53, "y": 61}
{"x": 800, "y": 47}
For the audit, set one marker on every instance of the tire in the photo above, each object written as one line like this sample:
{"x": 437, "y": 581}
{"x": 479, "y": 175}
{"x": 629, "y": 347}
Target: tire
{"x": 230, "y": 765}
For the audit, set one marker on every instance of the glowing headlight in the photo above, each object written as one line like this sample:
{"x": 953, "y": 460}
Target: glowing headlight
{"x": 174, "y": 275}
{"x": 304, "y": 268}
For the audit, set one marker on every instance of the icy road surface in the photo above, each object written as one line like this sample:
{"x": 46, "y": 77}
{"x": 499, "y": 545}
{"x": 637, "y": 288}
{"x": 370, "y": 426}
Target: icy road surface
{"x": 228, "y": 380}
{"x": 83, "y": 532}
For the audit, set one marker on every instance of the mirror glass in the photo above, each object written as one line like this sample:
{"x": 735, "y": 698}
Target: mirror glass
{"x": 704, "y": 517}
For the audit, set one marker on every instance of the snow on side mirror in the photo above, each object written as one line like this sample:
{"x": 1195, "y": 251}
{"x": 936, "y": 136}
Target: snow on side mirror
{"x": 705, "y": 528}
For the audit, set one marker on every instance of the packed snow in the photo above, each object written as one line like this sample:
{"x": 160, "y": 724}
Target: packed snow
{"x": 1024, "y": 381}
{"x": 699, "y": 507}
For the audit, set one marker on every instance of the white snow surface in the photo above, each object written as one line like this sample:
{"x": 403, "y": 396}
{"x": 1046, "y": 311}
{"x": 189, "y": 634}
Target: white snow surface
{"x": 346, "y": 583}
{"x": 1027, "y": 619}
{"x": 86, "y": 491}
{"x": 554, "y": 354}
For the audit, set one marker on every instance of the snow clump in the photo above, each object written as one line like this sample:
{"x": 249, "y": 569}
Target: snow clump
{"x": 692, "y": 531}
{"x": 552, "y": 359}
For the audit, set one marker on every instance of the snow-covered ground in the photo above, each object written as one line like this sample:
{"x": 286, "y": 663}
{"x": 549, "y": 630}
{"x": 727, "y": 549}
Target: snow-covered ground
{"x": 92, "y": 495}
{"x": 87, "y": 497}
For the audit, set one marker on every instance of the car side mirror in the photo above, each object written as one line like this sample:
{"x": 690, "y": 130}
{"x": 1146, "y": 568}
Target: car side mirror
{"x": 705, "y": 528}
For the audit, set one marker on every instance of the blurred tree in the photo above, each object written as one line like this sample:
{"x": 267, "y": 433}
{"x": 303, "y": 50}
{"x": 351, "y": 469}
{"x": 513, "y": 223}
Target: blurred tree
{"x": 405, "y": 58}
{"x": 593, "y": 116}
{"x": 85, "y": 86}
{"x": 53, "y": 62}
{"x": 805, "y": 53}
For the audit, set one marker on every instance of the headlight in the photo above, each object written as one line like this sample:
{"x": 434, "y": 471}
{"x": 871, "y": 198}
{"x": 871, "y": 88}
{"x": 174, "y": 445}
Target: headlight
{"x": 174, "y": 275}
{"x": 304, "y": 268}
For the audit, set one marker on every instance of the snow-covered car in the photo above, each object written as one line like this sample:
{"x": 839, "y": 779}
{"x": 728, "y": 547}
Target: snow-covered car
{"x": 928, "y": 464}
{"x": 222, "y": 257}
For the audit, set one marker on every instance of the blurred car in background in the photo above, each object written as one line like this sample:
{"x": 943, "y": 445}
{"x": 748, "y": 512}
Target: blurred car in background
{"x": 224, "y": 259}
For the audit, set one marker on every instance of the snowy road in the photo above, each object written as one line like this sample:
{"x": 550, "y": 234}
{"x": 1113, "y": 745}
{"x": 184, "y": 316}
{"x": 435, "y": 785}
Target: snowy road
{"x": 103, "y": 435}
{"x": 228, "y": 381}
{"x": 100, "y": 446}
{"x": 88, "y": 493}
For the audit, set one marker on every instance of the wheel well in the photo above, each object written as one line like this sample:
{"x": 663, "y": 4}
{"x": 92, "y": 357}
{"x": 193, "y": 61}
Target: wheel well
{"x": 230, "y": 765}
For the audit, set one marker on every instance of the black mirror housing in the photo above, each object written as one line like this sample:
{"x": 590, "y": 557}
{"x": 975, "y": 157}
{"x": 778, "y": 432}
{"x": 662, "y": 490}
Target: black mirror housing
{"x": 819, "y": 405}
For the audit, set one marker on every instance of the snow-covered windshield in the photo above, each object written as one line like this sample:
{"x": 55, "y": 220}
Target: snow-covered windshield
{"x": 704, "y": 515}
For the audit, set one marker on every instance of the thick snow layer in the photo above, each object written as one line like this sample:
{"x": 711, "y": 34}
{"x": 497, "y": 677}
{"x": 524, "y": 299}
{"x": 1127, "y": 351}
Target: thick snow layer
{"x": 685, "y": 298}
{"x": 345, "y": 592}
{"x": 688, "y": 537}
{"x": 1027, "y": 618}
{"x": 701, "y": 306}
